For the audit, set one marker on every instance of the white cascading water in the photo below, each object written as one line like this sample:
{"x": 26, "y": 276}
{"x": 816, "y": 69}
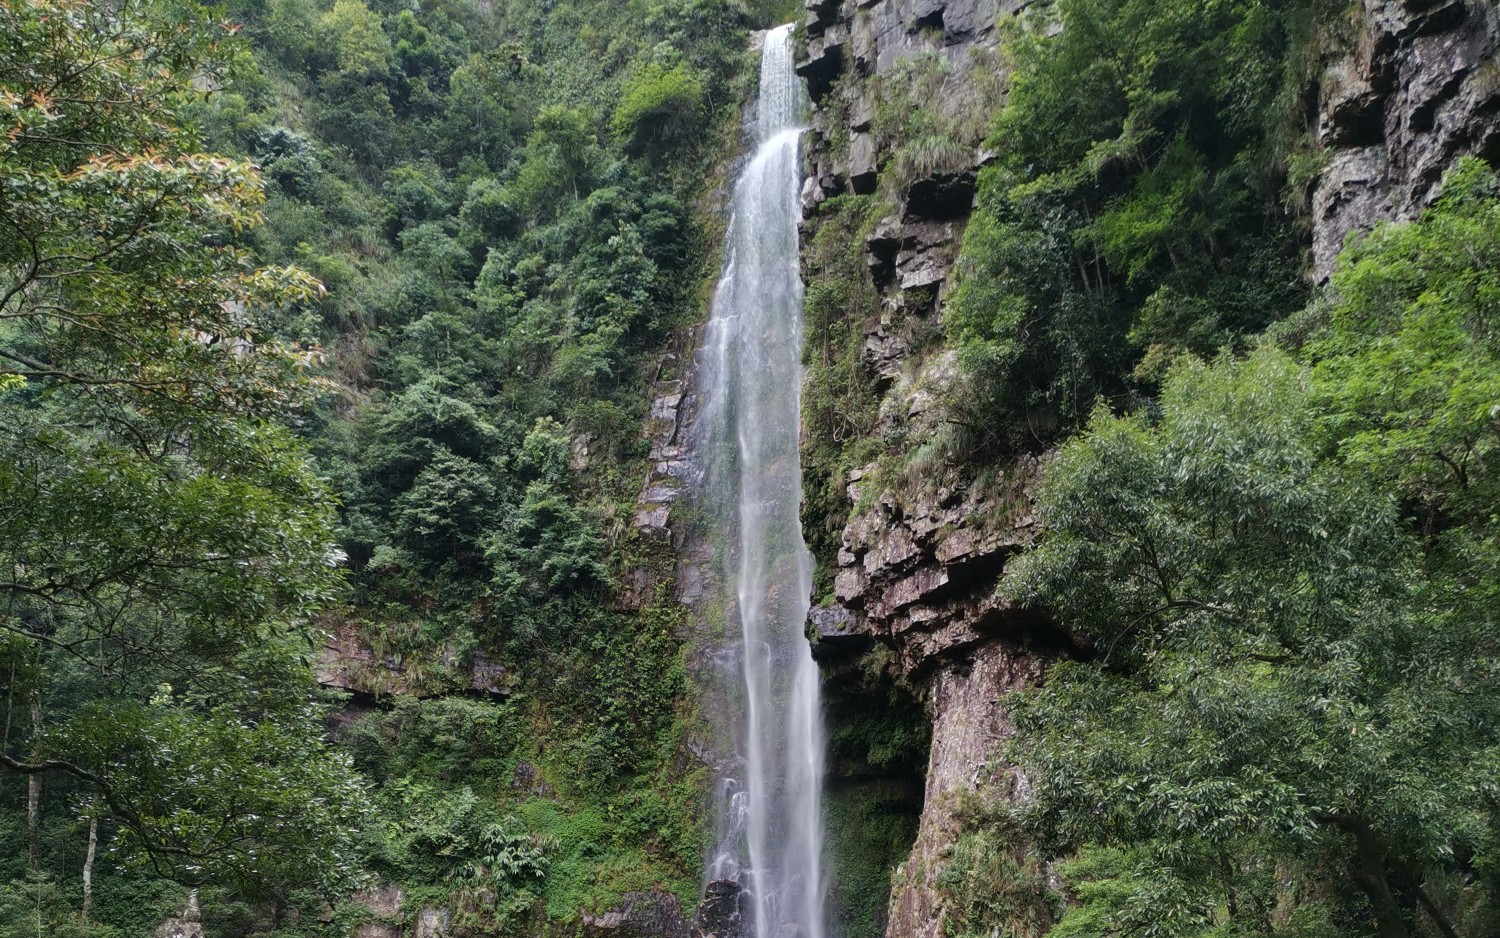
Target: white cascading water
{"x": 771, "y": 834}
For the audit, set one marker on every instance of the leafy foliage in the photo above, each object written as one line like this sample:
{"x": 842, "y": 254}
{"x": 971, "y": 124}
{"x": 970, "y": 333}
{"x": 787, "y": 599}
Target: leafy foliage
{"x": 164, "y": 540}
{"x": 497, "y": 202}
{"x": 662, "y": 107}
{"x": 1133, "y": 212}
{"x": 1289, "y": 587}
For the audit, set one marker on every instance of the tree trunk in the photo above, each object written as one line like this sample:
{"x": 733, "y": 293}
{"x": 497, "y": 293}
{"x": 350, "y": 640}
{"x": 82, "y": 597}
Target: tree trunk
{"x": 33, "y": 791}
{"x": 88, "y": 866}
{"x": 1388, "y": 923}
{"x": 10, "y": 699}
{"x": 1368, "y": 870}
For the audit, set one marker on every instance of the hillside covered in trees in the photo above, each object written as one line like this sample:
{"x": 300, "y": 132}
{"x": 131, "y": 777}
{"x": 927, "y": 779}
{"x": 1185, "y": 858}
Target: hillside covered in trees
{"x": 306, "y": 306}
{"x": 1179, "y": 520}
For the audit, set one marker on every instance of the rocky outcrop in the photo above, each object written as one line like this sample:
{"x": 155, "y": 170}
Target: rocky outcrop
{"x": 924, "y": 546}
{"x": 721, "y": 914}
{"x": 384, "y": 905}
{"x": 1417, "y": 89}
{"x": 187, "y": 924}
{"x": 660, "y": 516}
{"x": 432, "y": 923}
{"x": 1413, "y": 88}
{"x": 918, "y": 569}
{"x": 836, "y": 634}
{"x": 653, "y": 914}
{"x": 969, "y": 732}
{"x": 855, "y": 45}
{"x": 348, "y": 662}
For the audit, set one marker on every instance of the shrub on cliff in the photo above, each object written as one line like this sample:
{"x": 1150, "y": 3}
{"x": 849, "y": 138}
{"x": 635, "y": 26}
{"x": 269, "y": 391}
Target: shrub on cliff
{"x": 1134, "y": 211}
{"x": 1288, "y": 577}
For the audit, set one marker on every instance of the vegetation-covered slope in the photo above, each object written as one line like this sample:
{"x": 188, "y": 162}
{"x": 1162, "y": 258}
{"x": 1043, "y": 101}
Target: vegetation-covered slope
{"x": 1273, "y": 540}
{"x": 502, "y": 204}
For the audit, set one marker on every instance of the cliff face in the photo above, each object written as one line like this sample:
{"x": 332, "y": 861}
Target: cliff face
{"x": 920, "y": 545}
{"x": 1417, "y": 89}
{"x": 923, "y": 545}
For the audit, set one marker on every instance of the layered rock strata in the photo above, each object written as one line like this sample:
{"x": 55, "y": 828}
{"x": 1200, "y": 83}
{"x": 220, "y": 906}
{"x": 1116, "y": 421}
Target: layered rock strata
{"x": 918, "y": 572}
{"x": 923, "y": 549}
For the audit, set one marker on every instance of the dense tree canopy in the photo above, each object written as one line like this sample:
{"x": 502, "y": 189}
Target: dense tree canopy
{"x": 340, "y": 318}
{"x": 164, "y": 540}
{"x": 1287, "y": 575}
{"x": 1135, "y": 210}
{"x": 340, "y": 379}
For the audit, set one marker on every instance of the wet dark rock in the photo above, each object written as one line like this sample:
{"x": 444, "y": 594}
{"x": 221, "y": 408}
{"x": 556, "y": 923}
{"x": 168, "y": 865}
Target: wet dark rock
{"x": 941, "y": 196}
{"x": 656, "y": 517}
{"x": 526, "y": 778}
{"x": 720, "y": 914}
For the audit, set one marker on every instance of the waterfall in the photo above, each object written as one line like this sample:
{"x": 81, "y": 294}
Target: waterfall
{"x": 771, "y": 825}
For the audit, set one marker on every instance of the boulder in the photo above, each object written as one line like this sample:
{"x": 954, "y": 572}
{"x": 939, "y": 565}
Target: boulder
{"x": 720, "y": 914}
{"x": 651, "y": 914}
{"x": 941, "y": 195}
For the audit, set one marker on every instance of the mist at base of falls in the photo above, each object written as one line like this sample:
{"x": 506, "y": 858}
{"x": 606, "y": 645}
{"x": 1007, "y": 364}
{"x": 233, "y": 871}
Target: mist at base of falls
{"x": 771, "y": 832}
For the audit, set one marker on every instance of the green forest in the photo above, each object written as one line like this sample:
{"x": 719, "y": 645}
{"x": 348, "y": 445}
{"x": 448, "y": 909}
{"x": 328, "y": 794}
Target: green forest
{"x": 1272, "y": 515}
{"x": 342, "y": 317}
{"x": 304, "y": 307}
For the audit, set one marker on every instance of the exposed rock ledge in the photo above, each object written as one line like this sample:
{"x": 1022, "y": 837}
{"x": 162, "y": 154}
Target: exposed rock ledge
{"x": 653, "y": 914}
{"x": 347, "y": 662}
{"x": 919, "y": 571}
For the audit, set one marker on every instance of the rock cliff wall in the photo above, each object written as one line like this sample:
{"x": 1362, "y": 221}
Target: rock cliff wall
{"x": 1418, "y": 87}
{"x": 1413, "y": 86}
{"x": 922, "y": 546}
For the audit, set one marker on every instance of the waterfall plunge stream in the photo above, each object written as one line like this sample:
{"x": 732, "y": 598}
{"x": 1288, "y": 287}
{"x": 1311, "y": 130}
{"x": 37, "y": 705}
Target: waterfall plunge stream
{"x": 771, "y": 828}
